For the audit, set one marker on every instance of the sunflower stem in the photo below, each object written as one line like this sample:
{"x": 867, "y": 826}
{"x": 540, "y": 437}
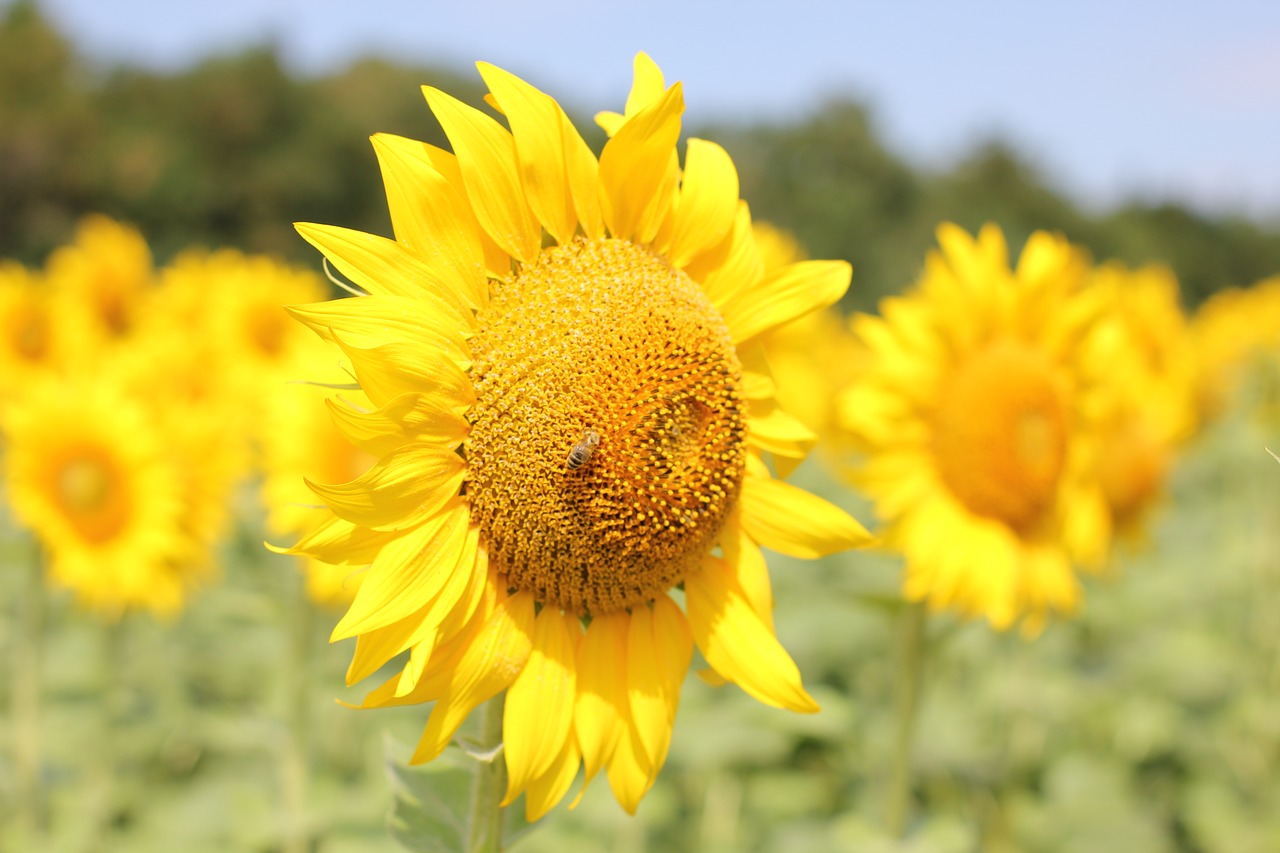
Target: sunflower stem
{"x": 911, "y": 653}
{"x": 484, "y": 824}
{"x": 295, "y": 761}
{"x": 27, "y": 668}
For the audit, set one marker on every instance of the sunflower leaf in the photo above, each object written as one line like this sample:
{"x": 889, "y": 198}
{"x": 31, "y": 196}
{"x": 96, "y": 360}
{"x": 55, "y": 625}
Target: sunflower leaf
{"x": 430, "y": 804}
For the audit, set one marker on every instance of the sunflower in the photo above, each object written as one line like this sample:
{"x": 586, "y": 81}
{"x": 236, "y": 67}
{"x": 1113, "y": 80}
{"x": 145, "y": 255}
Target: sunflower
{"x": 1151, "y": 379}
{"x": 30, "y": 338}
{"x": 102, "y": 281}
{"x": 88, "y": 472}
{"x": 571, "y": 418}
{"x": 974, "y": 411}
{"x": 1235, "y": 331}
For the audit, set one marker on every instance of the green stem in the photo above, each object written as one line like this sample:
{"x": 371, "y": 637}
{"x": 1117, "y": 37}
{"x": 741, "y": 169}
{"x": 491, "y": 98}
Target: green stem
{"x": 27, "y": 668}
{"x": 911, "y": 653}
{"x": 295, "y": 760}
{"x": 484, "y": 825}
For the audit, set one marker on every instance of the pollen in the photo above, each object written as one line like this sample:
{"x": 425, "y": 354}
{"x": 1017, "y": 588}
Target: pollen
{"x": 1000, "y": 434}
{"x": 607, "y": 444}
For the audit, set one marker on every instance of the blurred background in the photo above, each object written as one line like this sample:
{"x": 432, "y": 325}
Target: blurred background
{"x": 1144, "y": 132}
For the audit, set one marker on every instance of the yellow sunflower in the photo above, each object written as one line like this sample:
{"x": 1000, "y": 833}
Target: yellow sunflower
{"x": 1151, "y": 380}
{"x": 90, "y": 474}
{"x": 974, "y": 411}
{"x": 1234, "y": 330}
{"x": 570, "y": 415}
{"x": 30, "y": 337}
{"x": 102, "y": 281}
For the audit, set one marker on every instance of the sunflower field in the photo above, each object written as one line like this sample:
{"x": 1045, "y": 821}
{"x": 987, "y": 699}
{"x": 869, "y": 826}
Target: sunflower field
{"x": 610, "y": 484}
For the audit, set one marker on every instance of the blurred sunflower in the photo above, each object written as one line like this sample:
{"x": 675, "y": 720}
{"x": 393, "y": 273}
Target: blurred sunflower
{"x": 101, "y": 283}
{"x": 90, "y": 474}
{"x": 1151, "y": 380}
{"x": 1235, "y": 331}
{"x": 974, "y": 411}
{"x": 570, "y": 412}
{"x": 30, "y": 338}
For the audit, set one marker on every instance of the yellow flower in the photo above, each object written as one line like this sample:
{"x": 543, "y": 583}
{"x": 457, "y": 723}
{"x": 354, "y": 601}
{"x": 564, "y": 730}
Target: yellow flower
{"x": 30, "y": 337}
{"x": 1233, "y": 330}
{"x": 974, "y": 410}
{"x": 1150, "y": 379}
{"x": 570, "y": 416}
{"x": 89, "y": 473}
{"x": 102, "y": 281}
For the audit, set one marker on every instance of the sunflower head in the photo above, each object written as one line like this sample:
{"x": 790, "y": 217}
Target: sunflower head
{"x": 974, "y": 412}
{"x": 90, "y": 475}
{"x": 570, "y": 412}
{"x": 30, "y": 336}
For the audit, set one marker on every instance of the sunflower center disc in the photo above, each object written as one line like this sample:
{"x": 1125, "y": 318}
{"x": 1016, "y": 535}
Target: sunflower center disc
{"x": 607, "y": 441}
{"x": 87, "y": 492}
{"x": 1000, "y": 434}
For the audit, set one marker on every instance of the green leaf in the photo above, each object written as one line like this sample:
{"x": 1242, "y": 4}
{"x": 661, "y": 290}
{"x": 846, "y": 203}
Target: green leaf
{"x": 430, "y": 803}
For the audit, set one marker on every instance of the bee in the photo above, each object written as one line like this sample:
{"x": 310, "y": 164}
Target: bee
{"x": 583, "y": 449}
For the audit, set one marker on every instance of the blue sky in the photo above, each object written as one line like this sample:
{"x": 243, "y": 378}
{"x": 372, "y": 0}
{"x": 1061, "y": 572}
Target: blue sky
{"x": 1163, "y": 100}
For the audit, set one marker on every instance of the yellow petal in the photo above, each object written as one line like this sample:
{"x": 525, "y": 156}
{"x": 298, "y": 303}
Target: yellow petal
{"x": 404, "y": 488}
{"x": 536, "y": 126}
{"x": 408, "y": 573}
{"x": 389, "y": 370}
{"x": 737, "y": 644}
{"x": 376, "y": 264}
{"x": 770, "y": 428}
{"x": 600, "y": 709}
{"x": 336, "y": 540}
{"x": 431, "y": 215}
{"x": 539, "y": 709}
{"x": 647, "y": 86}
{"x": 635, "y": 169}
{"x": 490, "y": 663}
{"x": 372, "y": 320}
{"x": 659, "y": 649}
{"x": 784, "y": 295}
{"x": 487, "y": 157}
{"x": 732, "y": 267}
{"x": 548, "y": 789}
{"x": 629, "y": 772}
{"x": 795, "y": 522}
{"x": 584, "y": 180}
{"x": 708, "y": 201}
{"x": 429, "y": 417}
{"x": 747, "y": 563}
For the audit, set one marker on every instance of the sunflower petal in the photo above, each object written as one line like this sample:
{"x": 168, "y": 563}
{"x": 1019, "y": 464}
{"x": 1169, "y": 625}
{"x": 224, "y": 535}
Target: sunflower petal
{"x": 408, "y": 573}
{"x": 491, "y": 662}
{"x": 536, "y": 126}
{"x": 795, "y": 522}
{"x": 539, "y": 709}
{"x": 547, "y": 790}
{"x": 784, "y": 295}
{"x": 432, "y": 216}
{"x": 737, "y": 644}
{"x": 336, "y": 540}
{"x": 635, "y": 169}
{"x": 371, "y": 320}
{"x": 486, "y": 154}
{"x": 378, "y": 265}
{"x": 429, "y": 417}
{"x": 404, "y": 488}
{"x": 733, "y": 266}
{"x": 389, "y": 370}
{"x": 600, "y": 710}
{"x": 708, "y": 201}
